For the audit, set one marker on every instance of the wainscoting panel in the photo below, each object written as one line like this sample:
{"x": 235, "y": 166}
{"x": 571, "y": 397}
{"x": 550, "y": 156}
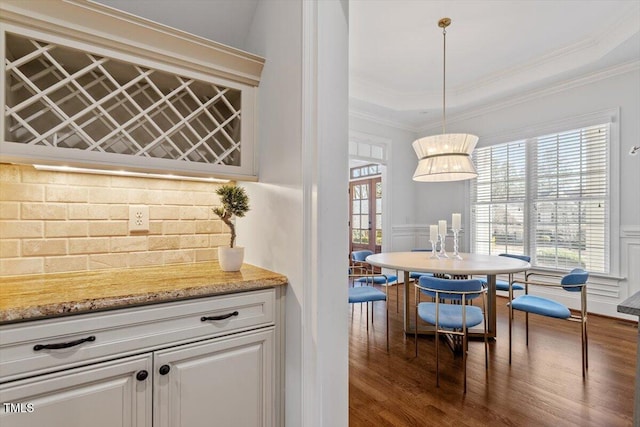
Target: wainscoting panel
{"x": 412, "y": 236}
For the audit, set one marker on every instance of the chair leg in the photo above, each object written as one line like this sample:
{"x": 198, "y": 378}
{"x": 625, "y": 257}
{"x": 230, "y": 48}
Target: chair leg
{"x": 526, "y": 321}
{"x": 464, "y": 356}
{"x": 511, "y": 291}
{"x": 415, "y": 329}
{"x": 367, "y": 317}
{"x": 415, "y": 319}
{"x": 586, "y": 346}
{"x": 437, "y": 357}
{"x": 585, "y": 349}
{"x": 387, "y": 319}
{"x": 397, "y": 286}
{"x": 486, "y": 343}
{"x": 510, "y": 321}
{"x": 372, "y": 311}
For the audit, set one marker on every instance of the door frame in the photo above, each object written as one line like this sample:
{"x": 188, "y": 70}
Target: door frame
{"x": 358, "y": 140}
{"x": 372, "y": 180}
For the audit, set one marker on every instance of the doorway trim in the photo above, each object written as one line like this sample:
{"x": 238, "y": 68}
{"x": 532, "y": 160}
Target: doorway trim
{"x": 375, "y": 149}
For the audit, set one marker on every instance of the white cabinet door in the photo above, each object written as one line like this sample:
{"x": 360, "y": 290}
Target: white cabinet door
{"x": 221, "y": 382}
{"x": 106, "y": 394}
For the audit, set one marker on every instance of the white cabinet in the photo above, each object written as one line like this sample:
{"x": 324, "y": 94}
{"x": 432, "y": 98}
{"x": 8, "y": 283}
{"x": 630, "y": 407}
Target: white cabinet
{"x": 161, "y": 103}
{"x": 216, "y": 383}
{"x": 205, "y": 362}
{"x": 104, "y": 395}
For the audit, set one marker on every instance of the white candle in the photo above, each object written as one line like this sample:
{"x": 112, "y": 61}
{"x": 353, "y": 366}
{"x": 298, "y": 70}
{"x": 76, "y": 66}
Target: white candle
{"x": 433, "y": 233}
{"x": 442, "y": 224}
{"x": 455, "y": 221}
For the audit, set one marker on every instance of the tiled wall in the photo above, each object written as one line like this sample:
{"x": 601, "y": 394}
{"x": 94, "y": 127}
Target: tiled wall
{"x": 54, "y": 222}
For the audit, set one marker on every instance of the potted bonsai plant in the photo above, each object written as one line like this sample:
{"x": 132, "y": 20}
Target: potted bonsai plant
{"x": 235, "y": 203}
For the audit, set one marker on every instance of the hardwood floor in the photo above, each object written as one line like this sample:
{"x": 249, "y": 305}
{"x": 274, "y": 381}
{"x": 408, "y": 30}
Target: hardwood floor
{"x": 542, "y": 387}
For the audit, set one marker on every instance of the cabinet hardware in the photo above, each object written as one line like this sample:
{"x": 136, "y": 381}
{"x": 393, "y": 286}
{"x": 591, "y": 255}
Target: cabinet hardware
{"x": 164, "y": 369}
{"x": 142, "y": 375}
{"x": 39, "y": 347}
{"x": 221, "y": 317}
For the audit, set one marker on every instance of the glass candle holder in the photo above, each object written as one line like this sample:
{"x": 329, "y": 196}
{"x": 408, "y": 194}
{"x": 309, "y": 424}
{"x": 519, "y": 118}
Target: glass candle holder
{"x": 442, "y": 253}
{"x": 456, "y": 254}
{"x": 434, "y": 250}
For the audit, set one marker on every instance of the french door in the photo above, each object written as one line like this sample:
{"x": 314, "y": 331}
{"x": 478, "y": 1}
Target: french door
{"x": 365, "y": 209}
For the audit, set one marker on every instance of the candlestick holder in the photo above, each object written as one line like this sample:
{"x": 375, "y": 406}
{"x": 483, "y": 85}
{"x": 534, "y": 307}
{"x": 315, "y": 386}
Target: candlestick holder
{"x": 456, "y": 254}
{"x": 442, "y": 253}
{"x": 434, "y": 250}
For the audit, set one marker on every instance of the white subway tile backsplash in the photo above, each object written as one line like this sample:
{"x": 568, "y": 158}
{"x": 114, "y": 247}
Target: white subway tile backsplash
{"x": 55, "y": 221}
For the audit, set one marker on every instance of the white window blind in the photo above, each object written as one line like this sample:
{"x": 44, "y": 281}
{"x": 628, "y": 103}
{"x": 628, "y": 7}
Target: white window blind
{"x": 547, "y": 197}
{"x": 499, "y": 197}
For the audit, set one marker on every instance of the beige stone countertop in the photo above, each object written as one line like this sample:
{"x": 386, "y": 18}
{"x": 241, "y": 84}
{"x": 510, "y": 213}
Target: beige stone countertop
{"x": 39, "y": 296}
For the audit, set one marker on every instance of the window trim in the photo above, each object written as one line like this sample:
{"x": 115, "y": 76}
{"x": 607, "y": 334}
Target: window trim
{"x": 610, "y": 116}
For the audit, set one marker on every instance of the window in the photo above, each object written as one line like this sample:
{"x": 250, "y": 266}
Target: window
{"x": 547, "y": 197}
{"x": 366, "y": 171}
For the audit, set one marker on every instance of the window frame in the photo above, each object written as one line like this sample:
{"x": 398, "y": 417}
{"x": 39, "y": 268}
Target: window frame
{"x": 610, "y": 117}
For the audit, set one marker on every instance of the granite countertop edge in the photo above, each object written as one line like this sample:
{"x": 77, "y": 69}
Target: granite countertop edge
{"x": 82, "y": 304}
{"x": 631, "y": 305}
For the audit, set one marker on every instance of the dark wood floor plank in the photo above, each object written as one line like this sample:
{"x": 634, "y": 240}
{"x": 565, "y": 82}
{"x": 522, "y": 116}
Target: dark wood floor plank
{"x": 542, "y": 387}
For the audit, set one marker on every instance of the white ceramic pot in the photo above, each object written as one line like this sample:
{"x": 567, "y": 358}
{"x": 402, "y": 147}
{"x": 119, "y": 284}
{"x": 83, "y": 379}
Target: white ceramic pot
{"x": 230, "y": 259}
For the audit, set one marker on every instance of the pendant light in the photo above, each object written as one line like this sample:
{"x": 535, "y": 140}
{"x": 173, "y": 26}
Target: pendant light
{"x": 445, "y": 157}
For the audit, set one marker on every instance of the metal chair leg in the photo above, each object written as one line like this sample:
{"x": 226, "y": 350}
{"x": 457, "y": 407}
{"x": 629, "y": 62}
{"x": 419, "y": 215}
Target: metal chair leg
{"x": 415, "y": 335}
{"x": 386, "y": 304}
{"x": 372, "y": 311}
{"x": 510, "y": 320}
{"x": 437, "y": 357}
{"x": 367, "y": 317}
{"x": 464, "y": 355}
{"x": 526, "y": 322}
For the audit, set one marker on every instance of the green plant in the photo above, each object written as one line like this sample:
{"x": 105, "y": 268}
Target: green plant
{"x": 235, "y": 202}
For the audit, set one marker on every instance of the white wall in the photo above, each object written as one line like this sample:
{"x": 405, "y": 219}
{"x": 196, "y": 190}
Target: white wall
{"x": 291, "y": 229}
{"x": 272, "y": 230}
{"x": 399, "y": 198}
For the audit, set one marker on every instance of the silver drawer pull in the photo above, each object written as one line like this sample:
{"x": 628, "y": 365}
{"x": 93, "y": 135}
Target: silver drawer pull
{"x": 221, "y": 317}
{"x": 39, "y": 347}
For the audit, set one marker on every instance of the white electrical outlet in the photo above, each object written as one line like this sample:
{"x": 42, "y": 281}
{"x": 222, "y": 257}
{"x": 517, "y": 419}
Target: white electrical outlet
{"x": 139, "y": 218}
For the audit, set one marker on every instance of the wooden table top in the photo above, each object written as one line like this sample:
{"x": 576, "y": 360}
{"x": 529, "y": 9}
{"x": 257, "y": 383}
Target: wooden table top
{"x": 470, "y": 264}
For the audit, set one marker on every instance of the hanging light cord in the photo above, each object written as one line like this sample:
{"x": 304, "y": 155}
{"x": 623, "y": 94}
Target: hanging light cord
{"x": 444, "y": 79}
{"x": 444, "y": 23}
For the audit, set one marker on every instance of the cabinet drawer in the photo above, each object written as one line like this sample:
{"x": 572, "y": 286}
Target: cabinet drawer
{"x": 98, "y": 336}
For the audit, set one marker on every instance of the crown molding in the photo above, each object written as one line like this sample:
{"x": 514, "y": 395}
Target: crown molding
{"x": 384, "y": 121}
{"x": 498, "y": 104}
{"x": 104, "y": 26}
{"x": 536, "y": 93}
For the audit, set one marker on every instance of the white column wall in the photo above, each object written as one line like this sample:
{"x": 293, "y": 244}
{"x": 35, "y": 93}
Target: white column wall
{"x": 330, "y": 211}
{"x": 272, "y": 230}
{"x": 299, "y": 201}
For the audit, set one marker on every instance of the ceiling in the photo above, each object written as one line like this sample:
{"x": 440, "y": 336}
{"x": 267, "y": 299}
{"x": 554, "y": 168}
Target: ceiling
{"x": 495, "y": 48}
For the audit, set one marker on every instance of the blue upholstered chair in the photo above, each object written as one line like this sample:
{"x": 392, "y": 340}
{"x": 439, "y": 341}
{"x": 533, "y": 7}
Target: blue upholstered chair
{"x": 450, "y": 314}
{"x": 415, "y": 275}
{"x": 503, "y": 285}
{"x": 358, "y": 263}
{"x": 370, "y": 294}
{"x": 575, "y": 281}
{"x": 368, "y": 277}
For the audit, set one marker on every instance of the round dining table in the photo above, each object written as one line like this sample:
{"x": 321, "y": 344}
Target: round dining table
{"x": 470, "y": 265}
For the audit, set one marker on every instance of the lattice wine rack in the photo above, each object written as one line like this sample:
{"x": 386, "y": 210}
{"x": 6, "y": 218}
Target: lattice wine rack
{"x": 57, "y": 96}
